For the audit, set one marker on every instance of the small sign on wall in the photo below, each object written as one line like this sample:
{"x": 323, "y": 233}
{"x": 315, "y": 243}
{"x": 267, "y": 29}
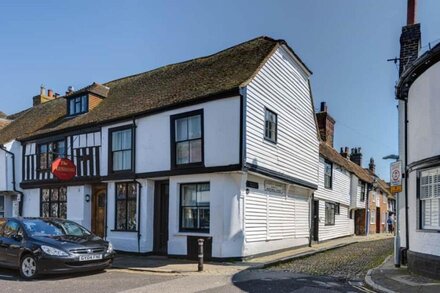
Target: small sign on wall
{"x": 396, "y": 176}
{"x": 274, "y": 187}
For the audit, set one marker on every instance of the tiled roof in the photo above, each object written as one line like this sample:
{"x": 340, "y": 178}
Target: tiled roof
{"x": 176, "y": 84}
{"x": 332, "y": 155}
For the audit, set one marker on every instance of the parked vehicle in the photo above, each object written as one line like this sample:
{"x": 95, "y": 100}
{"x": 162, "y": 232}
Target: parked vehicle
{"x": 49, "y": 245}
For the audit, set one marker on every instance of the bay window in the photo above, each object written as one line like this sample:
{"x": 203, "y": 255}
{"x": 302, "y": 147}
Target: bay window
{"x": 429, "y": 196}
{"x": 187, "y": 139}
{"x": 126, "y": 206}
{"x": 195, "y": 207}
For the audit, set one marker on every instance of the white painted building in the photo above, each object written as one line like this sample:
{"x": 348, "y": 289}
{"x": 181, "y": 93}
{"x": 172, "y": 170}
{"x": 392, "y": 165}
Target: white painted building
{"x": 418, "y": 92}
{"x": 223, "y": 148}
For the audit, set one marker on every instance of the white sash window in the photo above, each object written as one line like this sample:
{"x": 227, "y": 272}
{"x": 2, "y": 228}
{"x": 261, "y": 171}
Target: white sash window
{"x": 429, "y": 194}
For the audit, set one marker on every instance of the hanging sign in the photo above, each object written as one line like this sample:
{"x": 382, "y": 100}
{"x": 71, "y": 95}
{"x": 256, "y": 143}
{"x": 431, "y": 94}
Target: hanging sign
{"x": 396, "y": 177}
{"x": 63, "y": 169}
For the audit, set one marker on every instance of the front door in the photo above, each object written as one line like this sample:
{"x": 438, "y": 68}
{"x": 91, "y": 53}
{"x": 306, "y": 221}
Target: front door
{"x": 316, "y": 220}
{"x": 161, "y": 200}
{"x": 378, "y": 220}
{"x": 99, "y": 199}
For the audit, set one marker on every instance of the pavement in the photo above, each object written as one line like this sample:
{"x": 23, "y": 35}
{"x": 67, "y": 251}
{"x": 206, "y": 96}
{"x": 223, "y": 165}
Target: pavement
{"x": 387, "y": 278}
{"x": 156, "y": 264}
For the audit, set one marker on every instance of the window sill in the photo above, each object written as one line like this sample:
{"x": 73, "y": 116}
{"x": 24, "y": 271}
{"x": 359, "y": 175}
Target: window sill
{"x": 115, "y": 230}
{"x": 273, "y": 142}
{"x": 428, "y": 230}
{"x": 201, "y": 234}
{"x": 329, "y": 224}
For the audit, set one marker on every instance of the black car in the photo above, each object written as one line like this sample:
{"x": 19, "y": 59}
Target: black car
{"x": 48, "y": 245}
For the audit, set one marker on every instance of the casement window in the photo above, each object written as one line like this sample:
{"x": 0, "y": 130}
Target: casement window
{"x": 328, "y": 174}
{"x": 330, "y": 211}
{"x": 49, "y": 152}
{"x": 270, "y": 125}
{"x": 195, "y": 207}
{"x": 121, "y": 145}
{"x": 54, "y": 202}
{"x": 2, "y": 206}
{"x": 362, "y": 186}
{"x": 126, "y": 206}
{"x": 372, "y": 217}
{"x": 187, "y": 139}
{"x": 429, "y": 196}
{"x": 78, "y": 105}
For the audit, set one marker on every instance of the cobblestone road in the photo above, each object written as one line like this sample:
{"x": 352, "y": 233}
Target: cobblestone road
{"x": 349, "y": 263}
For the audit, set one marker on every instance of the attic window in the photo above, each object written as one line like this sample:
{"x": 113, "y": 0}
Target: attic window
{"x": 78, "y": 105}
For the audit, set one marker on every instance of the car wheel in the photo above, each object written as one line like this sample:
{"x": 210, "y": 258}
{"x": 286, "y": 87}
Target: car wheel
{"x": 28, "y": 267}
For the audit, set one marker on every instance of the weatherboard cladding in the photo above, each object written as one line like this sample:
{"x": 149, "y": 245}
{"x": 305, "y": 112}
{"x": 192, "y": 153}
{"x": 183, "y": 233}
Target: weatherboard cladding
{"x": 192, "y": 81}
{"x": 281, "y": 86}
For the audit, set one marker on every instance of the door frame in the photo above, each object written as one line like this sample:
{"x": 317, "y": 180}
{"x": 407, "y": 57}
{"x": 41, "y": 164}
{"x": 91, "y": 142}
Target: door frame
{"x": 159, "y": 216}
{"x": 96, "y": 188}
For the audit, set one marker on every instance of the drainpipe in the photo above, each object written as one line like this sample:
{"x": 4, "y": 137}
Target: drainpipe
{"x": 367, "y": 210}
{"x": 140, "y": 187}
{"x": 312, "y": 223}
{"x": 20, "y": 205}
{"x": 406, "y": 176}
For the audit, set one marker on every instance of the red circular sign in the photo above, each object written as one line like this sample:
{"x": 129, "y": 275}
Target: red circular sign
{"x": 63, "y": 169}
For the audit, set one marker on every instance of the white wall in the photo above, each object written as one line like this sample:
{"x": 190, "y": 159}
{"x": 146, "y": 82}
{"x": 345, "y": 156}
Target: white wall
{"x": 153, "y": 149}
{"x": 78, "y": 210}
{"x": 225, "y": 214}
{"x": 344, "y": 226}
{"x": 31, "y": 203}
{"x": 282, "y": 86}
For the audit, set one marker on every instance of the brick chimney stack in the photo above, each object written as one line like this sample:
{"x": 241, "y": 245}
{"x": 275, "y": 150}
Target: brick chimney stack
{"x": 410, "y": 38}
{"x": 345, "y": 152}
{"x": 372, "y": 166}
{"x": 326, "y": 125}
{"x": 356, "y": 156}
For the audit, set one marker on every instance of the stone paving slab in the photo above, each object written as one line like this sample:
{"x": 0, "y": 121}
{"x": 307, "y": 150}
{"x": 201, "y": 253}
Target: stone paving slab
{"x": 387, "y": 278}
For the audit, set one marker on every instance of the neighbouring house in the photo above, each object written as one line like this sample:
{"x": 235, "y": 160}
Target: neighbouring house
{"x": 223, "y": 147}
{"x": 418, "y": 93}
{"x": 340, "y": 202}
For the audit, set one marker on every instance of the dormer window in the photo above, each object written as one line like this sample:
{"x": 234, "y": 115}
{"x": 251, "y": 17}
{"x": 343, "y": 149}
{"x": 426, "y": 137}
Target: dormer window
{"x": 78, "y": 105}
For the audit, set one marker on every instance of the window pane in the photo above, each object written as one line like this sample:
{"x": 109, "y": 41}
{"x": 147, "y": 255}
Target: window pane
{"x": 182, "y": 152}
{"x": 116, "y": 141}
{"x": 63, "y": 194}
{"x": 121, "y": 214}
{"x": 77, "y": 106}
{"x": 61, "y": 149}
{"x": 84, "y": 104}
{"x": 189, "y": 195}
{"x": 194, "y": 127}
{"x": 45, "y": 195}
{"x": 189, "y": 218}
{"x": 72, "y": 106}
{"x": 43, "y": 161}
{"x": 131, "y": 190}
{"x": 181, "y": 129}
{"x": 63, "y": 210}
{"x": 204, "y": 218}
{"x": 2, "y": 203}
{"x": 203, "y": 195}
{"x": 45, "y": 210}
{"x": 117, "y": 161}
{"x": 126, "y": 139}
{"x": 54, "y": 194}
{"x": 131, "y": 225}
{"x": 121, "y": 191}
{"x": 54, "y": 210}
{"x": 195, "y": 151}
{"x": 126, "y": 160}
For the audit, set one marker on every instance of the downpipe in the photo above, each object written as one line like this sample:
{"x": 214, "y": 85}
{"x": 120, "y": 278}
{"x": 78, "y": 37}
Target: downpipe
{"x": 20, "y": 204}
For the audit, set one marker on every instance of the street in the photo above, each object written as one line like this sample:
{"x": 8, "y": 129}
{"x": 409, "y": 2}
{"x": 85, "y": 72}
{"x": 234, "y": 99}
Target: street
{"x": 338, "y": 270}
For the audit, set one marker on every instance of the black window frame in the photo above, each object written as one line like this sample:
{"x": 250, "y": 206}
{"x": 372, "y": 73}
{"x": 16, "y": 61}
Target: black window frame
{"x": 267, "y": 128}
{"x": 80, "y": 102}
{"x": 51, "y": 156}
{"x": 110, "y": 149}
{"x": 330, "y": 206}
{"x": 330, "y": 185}
{"x": 127, "y": 200}
{"x": 58, "y": 202}
{"x": 181, "y": 207}
{"x": 174, "y": 143}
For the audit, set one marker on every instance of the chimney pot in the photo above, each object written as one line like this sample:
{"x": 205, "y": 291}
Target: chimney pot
{"x": 411, "y": 12}
{"x": 356, "y": 156}
{"x": 50, "y": 93}
{"x": 323, "y": 107}
{"x": 42, "y": 90}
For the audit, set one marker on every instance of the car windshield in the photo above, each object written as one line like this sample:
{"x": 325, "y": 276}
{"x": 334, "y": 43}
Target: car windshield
{"x": 40, "y": 227}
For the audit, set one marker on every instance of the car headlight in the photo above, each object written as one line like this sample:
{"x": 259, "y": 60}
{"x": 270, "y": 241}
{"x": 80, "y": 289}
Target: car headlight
{"x": 110, "y": 248}
{"x": 53, "y": 251}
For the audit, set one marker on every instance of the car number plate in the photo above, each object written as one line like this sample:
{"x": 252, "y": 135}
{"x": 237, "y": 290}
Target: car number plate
{"x": 90, "y": 257}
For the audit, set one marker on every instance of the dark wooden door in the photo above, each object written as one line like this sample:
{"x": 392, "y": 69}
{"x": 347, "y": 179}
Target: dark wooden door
{"x": 316, "y": 220}
{"x": 161, "y": 206}
{"x": 378, "y": 220}
{"x": 99, "y": 200}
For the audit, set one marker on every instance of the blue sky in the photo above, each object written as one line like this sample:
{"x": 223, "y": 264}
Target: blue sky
{"x": 345, "y": 43}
